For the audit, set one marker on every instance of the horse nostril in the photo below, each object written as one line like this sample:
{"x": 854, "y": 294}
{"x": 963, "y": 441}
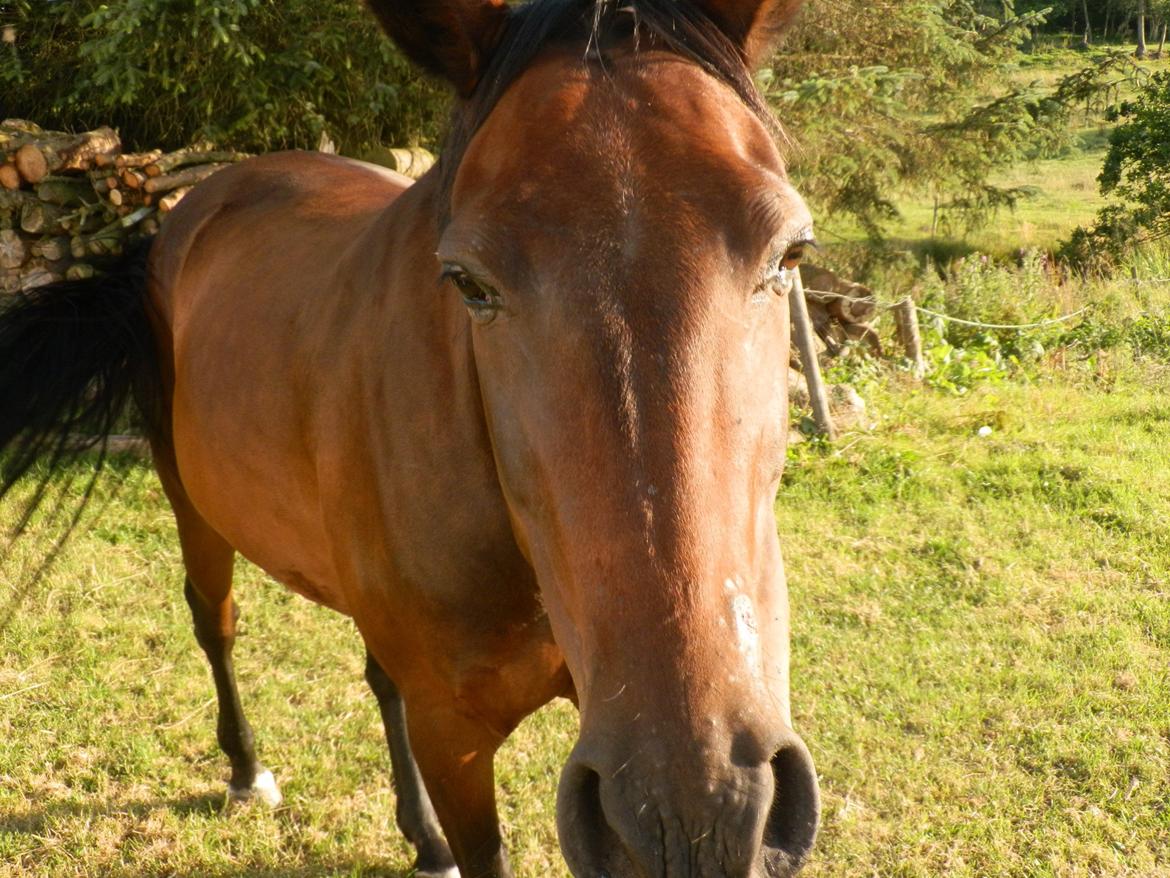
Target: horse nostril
{"x": 590, "y": 845}
{"x": 791, "y": 827}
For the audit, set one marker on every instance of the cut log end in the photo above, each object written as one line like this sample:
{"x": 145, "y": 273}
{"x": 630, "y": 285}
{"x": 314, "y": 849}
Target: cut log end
{"x": 31, "y": 164}
{"x": 12, "y": 249}
{"x": 132, "y": 179}
{"x": 9, "y": 177}
{"x": 172, "y": 198}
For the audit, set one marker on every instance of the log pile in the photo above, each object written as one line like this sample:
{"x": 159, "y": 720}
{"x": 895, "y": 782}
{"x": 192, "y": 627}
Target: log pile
{"x": 69, "y": 201}
{"x": 841, "y": 310}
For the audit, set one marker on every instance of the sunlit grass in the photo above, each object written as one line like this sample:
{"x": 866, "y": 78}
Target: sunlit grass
{"x": 981, "y": 641}
{"x": 983, "y": 636}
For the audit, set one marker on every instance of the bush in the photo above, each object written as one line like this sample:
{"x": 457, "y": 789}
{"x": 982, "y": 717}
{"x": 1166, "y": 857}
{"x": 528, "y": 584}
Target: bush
{"x": 1137, "y": 174}
{"x": 960, "y": 356}
{"x": 248, "y": 74}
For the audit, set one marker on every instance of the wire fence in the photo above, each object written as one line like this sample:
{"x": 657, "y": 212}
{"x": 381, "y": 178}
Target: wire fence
{"x": 824, "y": 295}
{"x": 1021, "y": 326}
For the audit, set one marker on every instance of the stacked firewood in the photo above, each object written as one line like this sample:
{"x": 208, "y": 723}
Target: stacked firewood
{"x": 69, "y": 201}
{"x": 840, "y": 310}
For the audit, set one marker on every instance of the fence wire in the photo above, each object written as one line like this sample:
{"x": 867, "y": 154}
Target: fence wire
{"x": 824, "y": 295}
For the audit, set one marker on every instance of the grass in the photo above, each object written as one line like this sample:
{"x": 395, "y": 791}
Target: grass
{"x": 108, "y": 760}
{"x": 980, "y": 650}
{"x": 982, "y": 637}
{"x": 1064, "y": 195}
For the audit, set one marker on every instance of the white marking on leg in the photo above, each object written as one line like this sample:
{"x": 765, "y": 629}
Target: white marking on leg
{"x": 452, "y": 872}
{"x": 263, "y": 789}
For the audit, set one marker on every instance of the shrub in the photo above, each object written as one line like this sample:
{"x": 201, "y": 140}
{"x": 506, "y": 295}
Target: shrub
{"x": 249, "y": 74}
{"x": 1137, "y": 174}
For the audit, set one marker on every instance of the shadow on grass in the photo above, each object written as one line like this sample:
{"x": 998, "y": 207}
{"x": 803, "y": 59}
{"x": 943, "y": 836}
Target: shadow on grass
{"x": 321, "y": 870}
{"x": 940, "y": 251}
{"x": 38, "y": 822}
{"x": 1093, "y": 139}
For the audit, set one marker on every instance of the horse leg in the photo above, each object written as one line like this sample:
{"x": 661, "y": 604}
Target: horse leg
{"x": 455, "y": 752}
{"x": 208, "y": 558}
{"x": 414, "y": 812}
{"x": 215, "y": 614}
{"x": 208, "y": 590}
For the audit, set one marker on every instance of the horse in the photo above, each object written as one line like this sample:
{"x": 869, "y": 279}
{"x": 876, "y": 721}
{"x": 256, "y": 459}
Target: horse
{"x": 524, "y": 421}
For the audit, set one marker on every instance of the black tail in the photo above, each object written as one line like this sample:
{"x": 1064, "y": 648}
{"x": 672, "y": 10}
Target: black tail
{"x": 77, "y": 360}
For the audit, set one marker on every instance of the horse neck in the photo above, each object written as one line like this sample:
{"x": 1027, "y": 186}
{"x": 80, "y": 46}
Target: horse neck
{"x": 416, "y": 336}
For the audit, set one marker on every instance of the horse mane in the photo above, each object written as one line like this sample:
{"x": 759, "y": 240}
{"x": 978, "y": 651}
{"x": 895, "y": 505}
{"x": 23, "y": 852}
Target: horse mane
{"x": 679, "y": 27}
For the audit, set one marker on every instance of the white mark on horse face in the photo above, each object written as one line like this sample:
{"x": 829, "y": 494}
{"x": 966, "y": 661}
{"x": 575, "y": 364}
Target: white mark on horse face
{"x": 747, "y": 631}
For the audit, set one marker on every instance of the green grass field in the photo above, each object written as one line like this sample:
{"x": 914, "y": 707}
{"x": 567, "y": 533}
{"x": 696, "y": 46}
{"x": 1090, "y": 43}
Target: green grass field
{"x": 983, "y": 635}
{"x": 981, "y": 647}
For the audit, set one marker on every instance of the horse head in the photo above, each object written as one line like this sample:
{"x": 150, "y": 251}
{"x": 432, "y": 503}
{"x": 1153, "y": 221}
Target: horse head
{"x": 617, "y": 218}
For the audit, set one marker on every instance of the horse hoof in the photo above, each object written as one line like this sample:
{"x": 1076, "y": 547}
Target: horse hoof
{"x": 450, "y": 872}
{"x": 263, "y": 789}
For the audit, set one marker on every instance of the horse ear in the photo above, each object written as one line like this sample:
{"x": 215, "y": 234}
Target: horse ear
{"x": 451, "y": 38}
{"x": 754, "y": 25}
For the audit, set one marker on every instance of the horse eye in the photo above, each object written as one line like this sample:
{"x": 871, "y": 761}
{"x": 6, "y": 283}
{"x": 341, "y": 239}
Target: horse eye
{"x": 780, "y": 275}
{"x": 481, "y": 300}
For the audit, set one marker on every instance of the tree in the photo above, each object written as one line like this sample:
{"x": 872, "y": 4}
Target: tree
{"x": 1140, "y": 52}
{"x": 251, "y": 74}
{"x": 1136, "y": 174}
{"x": 911, "y": 96}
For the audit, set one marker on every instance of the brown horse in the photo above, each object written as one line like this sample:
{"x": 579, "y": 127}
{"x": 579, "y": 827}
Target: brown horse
{"x": 524, "y": 421}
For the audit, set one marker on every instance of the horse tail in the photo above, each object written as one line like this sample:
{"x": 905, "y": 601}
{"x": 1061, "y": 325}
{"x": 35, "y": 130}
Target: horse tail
{"x": 78, "y": 360}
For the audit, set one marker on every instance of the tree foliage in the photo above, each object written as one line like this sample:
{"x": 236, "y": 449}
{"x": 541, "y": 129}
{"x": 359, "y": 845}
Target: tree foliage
{"x": 911, "y": 96}
{"x": 887, "y": 98}
{"x": 1108, "y": 19}
{"x": 251, "y": 74}
{"x": 1137, "y": 175}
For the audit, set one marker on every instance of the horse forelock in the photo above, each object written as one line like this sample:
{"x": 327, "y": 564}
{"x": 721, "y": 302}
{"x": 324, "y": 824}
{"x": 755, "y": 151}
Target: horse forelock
{"x": 597, "y": 27}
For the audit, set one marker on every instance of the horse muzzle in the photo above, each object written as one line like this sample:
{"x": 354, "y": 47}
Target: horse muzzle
{"x": 625, "y": 812}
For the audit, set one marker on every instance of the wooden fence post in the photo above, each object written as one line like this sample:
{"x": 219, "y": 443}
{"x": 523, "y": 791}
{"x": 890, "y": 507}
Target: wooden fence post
{"x": 906, "y": 318}
{"x": 806, "y": 345}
